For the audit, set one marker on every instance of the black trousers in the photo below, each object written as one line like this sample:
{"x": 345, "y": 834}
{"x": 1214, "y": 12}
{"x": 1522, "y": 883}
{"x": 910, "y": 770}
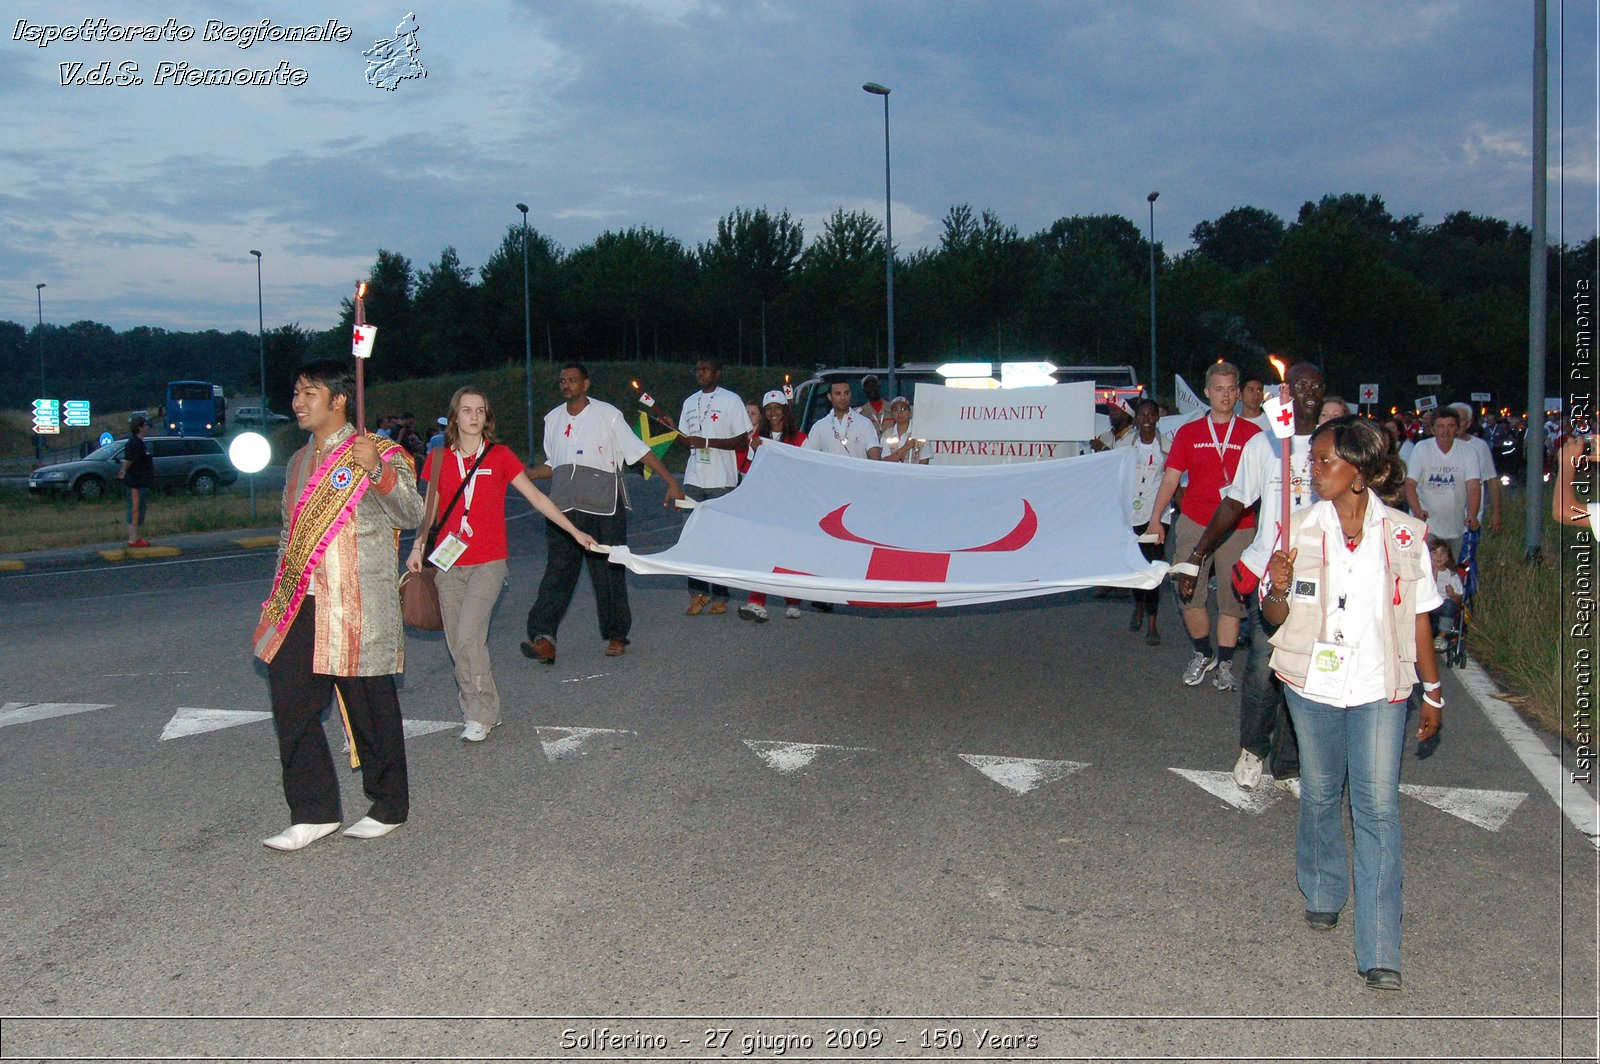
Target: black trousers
{"x": 298, "y": 698}
{"x": 564, "y": 558}
{"x": 1149, "y": 601}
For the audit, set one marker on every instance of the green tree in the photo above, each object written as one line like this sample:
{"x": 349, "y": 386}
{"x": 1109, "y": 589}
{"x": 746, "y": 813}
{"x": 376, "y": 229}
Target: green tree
{"x": 748, "y": 265}
{"x": 841, "y": 288}
{"x": 1239, "y": 239}
{"x": 446, "y": 316}
{"x": 627, "y": 281}
{"x": 500, "y": 296}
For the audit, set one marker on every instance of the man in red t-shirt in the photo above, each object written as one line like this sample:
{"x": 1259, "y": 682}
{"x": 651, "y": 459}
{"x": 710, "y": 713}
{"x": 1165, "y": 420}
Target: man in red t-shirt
{"x": 1208, "y": 450}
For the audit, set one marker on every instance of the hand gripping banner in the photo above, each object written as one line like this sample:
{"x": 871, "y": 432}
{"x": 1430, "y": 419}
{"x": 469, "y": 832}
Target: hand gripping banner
{"x": 835, "y": 529}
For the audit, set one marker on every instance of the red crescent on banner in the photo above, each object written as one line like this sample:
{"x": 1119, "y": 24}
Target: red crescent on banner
{"x": 1016, "y": 539}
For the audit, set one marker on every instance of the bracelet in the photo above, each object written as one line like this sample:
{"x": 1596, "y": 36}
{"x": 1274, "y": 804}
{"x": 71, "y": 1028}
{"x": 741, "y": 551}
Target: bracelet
{"x": 1278, "y": 600}
{"x": 1430, "y": 702}
{"x": 1426, "y": 686}
{"x": 375, "y": 475}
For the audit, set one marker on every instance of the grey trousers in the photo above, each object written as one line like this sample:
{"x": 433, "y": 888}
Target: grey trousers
{"x": 467, "y": 594}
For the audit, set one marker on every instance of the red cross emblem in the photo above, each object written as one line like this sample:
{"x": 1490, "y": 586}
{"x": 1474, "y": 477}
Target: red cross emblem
{"x": 1403, "y": 537}
{"x": 713, "y": 415}
{"x": 898, "y": 563}
{"x": 1285, "y": 416}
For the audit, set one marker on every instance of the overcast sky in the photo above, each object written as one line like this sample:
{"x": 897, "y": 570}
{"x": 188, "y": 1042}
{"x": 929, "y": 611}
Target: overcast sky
{"x": 139, "y": 204}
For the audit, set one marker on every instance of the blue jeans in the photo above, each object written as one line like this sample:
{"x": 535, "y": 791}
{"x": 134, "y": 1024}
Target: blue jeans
{"x": 1359, "y": 747}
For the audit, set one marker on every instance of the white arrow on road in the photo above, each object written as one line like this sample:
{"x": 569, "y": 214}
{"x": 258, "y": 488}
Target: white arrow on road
{"x": 792, "y": 757}
{"x": 1487, "y": 809}
{"x": 1022, "y": 774}
{"x": 22, "y": 712}
{"x": 559, "y": 742}
{"x": 190, "y": 720}
{"x": 414, "y": 728}
{"x": 1221, "y": 784}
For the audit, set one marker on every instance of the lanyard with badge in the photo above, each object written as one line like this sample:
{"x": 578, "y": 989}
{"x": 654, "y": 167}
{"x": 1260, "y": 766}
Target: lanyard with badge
{"x": 843, "y": 441}
{"x": 703, "y": 454}
{"x": 452, "y": 547}
{"x": 1332, "y": 661}
{"x": 1221, "y": 446}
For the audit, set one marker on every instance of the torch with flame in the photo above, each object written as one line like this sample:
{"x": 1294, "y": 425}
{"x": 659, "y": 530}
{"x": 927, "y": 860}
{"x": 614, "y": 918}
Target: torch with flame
{"x": 364, "y": 336}
{"x": 648, "y": 402}
{"x": 1288, "y": 443}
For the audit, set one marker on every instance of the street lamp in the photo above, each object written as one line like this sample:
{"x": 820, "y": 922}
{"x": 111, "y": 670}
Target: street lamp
{"x": 527, "y": 328}
{"x": 1152, "y": 201}
{"x": 888, "y": 219}
{"x": 261, "y": 336}
{"x": 38, "y": 291}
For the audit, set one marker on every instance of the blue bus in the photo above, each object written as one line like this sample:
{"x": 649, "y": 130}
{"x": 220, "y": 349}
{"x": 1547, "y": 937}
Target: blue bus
{"x": 195, "y": 408}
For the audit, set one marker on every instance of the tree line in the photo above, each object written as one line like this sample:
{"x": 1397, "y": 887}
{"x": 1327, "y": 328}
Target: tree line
{"x": 1370, "y": 296}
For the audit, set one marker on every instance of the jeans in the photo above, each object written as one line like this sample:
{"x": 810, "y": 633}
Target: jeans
{"x": 1264, "y": 724}
{"x": 1359, "y": 747}
{"x": 699, "y": 494}
{"x": 566, "y": 558}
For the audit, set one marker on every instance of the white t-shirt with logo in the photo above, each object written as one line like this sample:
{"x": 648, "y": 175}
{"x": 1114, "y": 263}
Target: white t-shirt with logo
{"x": 716, "y": 415}
{"x": 1442, "y": 485}
{"x": 1260, "y": 478}
{"x": 596, "y": 436}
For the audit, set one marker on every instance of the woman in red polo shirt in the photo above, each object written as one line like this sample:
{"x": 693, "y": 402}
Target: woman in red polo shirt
{"x": 474, "y": 530}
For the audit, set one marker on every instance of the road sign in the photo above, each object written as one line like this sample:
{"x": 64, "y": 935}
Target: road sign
{"x": 47, "y": 417}
{"x": 1430, "y": 378}
{"x": 77, "y": 411}
{"x": 1369, "y": 393}
{"x": 106, "y": 439}
{"x": 1482, "y": 397}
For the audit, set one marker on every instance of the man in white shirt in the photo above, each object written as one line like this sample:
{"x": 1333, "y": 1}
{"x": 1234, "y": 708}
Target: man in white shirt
{"x": 1443, "y": 485}
{"x": 715, "y": 426}
{"x": 1264, "y": 725}
{"x": 1251, "y": 396}
{"x": 1486, "y": 471}
{"x": 844, "y": 431}
{"x": 586, "y": 444}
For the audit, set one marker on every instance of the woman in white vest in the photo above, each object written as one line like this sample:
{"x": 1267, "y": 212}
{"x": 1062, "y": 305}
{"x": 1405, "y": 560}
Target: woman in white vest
{"x": 1351, "y": 598}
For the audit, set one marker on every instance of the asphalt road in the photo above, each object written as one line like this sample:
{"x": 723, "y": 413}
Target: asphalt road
{"x": 943, "y": 834}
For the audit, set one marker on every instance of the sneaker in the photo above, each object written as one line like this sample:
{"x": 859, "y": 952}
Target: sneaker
{"x": 1441, "y": 643}
{"x": 1198, "y": 666}
{"x": 475, "y": 732}
{"x": 753, "y": 611}
{"x": 1223, "y": 680}
{"x": 1292, "y": 785}
{"x": 140, "y": 543}
{"x": 792, "y": 612}
{"x": 1247, "y": 770}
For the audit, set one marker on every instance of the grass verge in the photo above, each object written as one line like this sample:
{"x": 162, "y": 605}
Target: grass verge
{"x": 29, "y": 523}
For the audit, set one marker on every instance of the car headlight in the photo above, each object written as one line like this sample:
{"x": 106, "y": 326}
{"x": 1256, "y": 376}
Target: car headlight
{"x": 51, "y": 475}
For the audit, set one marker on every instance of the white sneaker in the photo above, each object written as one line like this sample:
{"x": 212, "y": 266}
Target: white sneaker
{"x": 1197, "y": 668}
{"x": 368, "y": 828}
{"x": 753, "y": 611}
{"x": 1223, "y": 680}
{"x": 1247, "y": 770}
{"x": 792, "y": 612}
{"x": 474, "y": 732}
{"x": 299, "y": 836}
{"x": 1292, "y": 785}
{"x": 1441, "y": 642}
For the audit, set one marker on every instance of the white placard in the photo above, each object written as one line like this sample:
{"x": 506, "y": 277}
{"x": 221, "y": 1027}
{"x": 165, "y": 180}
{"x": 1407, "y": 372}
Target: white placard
{"x": 1054, "y": 413}
{"x": 362, "y": 339}
{"x": 1369, "y": 393}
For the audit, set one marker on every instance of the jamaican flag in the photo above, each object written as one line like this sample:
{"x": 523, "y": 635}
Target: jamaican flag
{"x": 658, "y": 444}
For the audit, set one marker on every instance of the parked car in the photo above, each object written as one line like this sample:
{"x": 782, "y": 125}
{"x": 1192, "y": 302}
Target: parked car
{"x": 195, "y": 462}
{"x": 257, "y": 415}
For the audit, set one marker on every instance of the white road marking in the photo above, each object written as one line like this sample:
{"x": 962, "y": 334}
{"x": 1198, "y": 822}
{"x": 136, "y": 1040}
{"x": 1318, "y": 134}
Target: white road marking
{"x": 1580, "y": 807}
{"x": 1487, "y": 809}
{"x": 190, "y": 720}
{"x": 580, "y": 679}
{"x": 1221, "y": 784}
{"x": 23, "y": 712}
{"x": 792, "y": 757}
{"x": 1022, "y": 774}
{"x": 560, "y": 742}
{"x": 414, "y": 728}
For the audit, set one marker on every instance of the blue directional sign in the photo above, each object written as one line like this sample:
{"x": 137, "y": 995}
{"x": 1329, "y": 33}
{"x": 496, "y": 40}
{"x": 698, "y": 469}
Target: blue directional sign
{"x": 106, "y": 439}
{"x": 77, "y": 413}
{"x": 47, "y": 417}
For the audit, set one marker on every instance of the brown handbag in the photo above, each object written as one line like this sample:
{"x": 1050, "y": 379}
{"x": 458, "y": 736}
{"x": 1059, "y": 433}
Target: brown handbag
{"x": 419, "y": 595}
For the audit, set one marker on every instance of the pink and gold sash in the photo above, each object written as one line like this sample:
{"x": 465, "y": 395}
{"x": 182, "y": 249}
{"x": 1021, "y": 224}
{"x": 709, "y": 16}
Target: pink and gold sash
{"x": 325, "y": 506}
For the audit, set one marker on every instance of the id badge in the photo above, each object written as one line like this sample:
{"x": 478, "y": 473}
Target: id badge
{"x": 704, "y": 454}
{"x": 1329, "y": 675}
{"x": 447, "y": 553}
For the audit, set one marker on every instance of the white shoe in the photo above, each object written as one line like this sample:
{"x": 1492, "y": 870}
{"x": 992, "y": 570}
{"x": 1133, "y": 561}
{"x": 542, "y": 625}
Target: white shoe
{"x": 1292, "y": 785}
{"x": 753, "y": 611}
{"x": 792, "y": 612}
{"x": 1223, "y": 680}
{"x": 1247, "y": 770}
{"x": 299, "y": 836}
{"x": 368, "y": 828}
{"x": 477, "y": 733}
{"x": 1197, "y": 668}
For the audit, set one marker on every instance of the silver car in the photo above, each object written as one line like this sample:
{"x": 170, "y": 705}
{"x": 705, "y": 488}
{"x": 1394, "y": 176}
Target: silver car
{"x": 195, "y": 462}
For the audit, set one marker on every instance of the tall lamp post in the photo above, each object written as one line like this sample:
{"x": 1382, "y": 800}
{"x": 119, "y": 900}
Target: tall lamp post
{"x": 38, "y": 291}
{"x": 527, "y": 328}
{"x": 888, "y": 219}
{"x": 261, "y": 336}
{"x": 1151, "y": 199}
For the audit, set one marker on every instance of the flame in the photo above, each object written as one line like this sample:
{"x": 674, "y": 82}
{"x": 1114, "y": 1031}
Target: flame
{"x": 361, "y": 290}
{"x": 1281, "y": 366}
{"x": 634, "y": 385}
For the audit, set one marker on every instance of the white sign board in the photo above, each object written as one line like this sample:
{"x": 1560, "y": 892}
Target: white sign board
{"x": 1053, "y": 413}
{"x": 1369, "y": 393}
{"x": 1430, "y": 378}
{"x": 1427, "y": 402}
{"x": 1482, "y": 397}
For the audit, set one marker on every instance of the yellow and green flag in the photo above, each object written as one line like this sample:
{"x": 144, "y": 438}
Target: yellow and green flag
{"x": 658, "y": 444}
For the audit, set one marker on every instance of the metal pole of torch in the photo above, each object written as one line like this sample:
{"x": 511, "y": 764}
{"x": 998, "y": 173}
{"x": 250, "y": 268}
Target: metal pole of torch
{"x": 361, "y": 392}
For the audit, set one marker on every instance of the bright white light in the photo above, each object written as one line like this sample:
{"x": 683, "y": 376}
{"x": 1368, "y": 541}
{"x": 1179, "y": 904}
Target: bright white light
{"x": 960, "y": 370}
{"x": 1027, "y": 374}
{"x": 971, "y": 382}
{"x": 249, "y": 452}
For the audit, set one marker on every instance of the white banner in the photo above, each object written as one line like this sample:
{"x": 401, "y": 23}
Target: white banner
{"x": 1005, "y": 415}
{"x": 835, "y": 529}
{"x": 1188, "y": 402}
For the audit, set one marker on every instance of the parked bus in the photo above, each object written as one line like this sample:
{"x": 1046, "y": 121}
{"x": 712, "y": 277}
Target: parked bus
{"x": 195, "y": 408}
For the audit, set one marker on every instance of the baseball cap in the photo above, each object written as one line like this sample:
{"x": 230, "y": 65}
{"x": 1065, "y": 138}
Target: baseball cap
{"x": 774, "y": 396}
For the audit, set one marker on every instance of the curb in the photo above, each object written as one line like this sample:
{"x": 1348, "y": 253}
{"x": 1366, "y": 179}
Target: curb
{"x": 190, "y": 545}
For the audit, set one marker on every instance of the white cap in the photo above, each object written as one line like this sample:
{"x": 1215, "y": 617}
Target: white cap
{"x": 774, "y": 396}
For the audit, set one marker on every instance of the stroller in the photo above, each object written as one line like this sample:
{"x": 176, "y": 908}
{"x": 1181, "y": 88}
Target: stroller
{"x": 1455, "y": 648}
